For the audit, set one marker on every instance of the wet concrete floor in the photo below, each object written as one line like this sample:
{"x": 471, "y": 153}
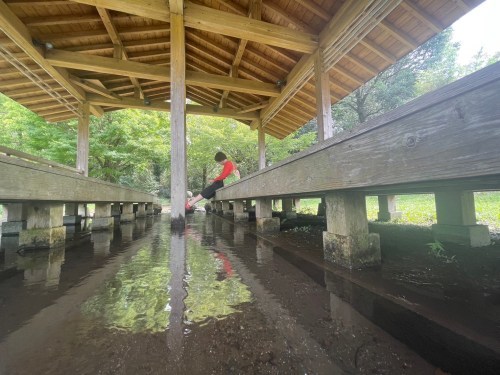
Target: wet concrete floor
{"x": 215, "y": 299}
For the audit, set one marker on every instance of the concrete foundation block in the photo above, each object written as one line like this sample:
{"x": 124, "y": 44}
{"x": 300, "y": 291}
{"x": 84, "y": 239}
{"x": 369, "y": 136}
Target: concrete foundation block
{"x": 42, "y": 237}
{"x": 125, "y": 218}
{"x": 352, "y": 251}
{"x": 241, "y": 216}
{"x": 290, "y": 214}
{"x": 141, "y": 214}
{"x": 468, "y": 235}
{"x": 72, "y": 219}
{"x": 102, "y": 223}
{"x": 12, "y": 228}
{"x": 268, "y": 224}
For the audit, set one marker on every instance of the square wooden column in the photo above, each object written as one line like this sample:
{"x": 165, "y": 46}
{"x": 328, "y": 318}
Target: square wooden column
{"x": 82, "y": 150}
{"x": 262, "y": 148}
{"x": 323, "y": 98}
{"x": 178, "y": 116}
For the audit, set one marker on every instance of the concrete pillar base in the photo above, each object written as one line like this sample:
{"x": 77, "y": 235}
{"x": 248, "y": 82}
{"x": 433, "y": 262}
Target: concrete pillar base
{"x": 12, "y": 228}
{"x": 358, "y": 251}
{"x": 72, "y": 220}
{"x": 125, "y": 218}
{"x": 468, "y": 235}
{"x": 228, "y": 213}
{"x": 42, "y": 237}
{"x": 140, "y": 214}
{"x": 388, "y": 216}
{"x": 241, "y": 216}
{"x": 102, "y": 223}
{"x": 268, "y": 224}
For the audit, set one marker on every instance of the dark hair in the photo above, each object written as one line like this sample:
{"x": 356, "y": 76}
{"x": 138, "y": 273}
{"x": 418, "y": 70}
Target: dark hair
{"x": 220, "y": 156}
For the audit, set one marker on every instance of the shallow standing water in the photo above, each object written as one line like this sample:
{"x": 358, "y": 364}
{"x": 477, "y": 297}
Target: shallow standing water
{"x": 213, "y": 299}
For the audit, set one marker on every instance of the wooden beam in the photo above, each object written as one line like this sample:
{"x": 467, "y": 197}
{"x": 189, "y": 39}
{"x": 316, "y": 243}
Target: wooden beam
{"x": 12, "y": 26}
{"x": 253, "y": 107}
{"x": 178, "y": 120}
{"x": 262, "y": 148}
{"x": 108, "y": 65}
{"x": 427, "y": 19}
{"x": 120, "y": 51}
{"x": 154, "y": 9}
{"x": 211, "y": 20}
{"x": 92, "y": 87}
{"x": 314, "y": 8}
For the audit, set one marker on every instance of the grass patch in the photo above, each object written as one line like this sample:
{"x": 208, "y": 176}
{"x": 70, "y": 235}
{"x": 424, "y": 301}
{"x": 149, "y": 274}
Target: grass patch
{"x": 419, "y": 209}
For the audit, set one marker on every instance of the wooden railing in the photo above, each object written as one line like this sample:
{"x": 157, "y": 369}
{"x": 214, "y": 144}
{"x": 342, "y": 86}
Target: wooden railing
{"x": 22, "y": 155}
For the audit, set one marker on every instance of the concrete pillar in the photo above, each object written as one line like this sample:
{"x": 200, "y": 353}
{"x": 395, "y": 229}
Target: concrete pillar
{"x": 456, "y": 219}
{"x": 248, "y": 205}
{"x": 218, "y": 208}
{"x": 387, "y": 208}
{"x": 322, "y": 207}
{"x": 296, "y": 203}
{"x": 149, "y": 209}
{"x": 264, "y": 216}
{"x": 127, "y": 213}
{"x": 44, "y": 226}
{"x": 347, "y": 241}
{"x": 83, "y": 210}
{"x": 239, "y": 214}
{"x": 16, "y": 219}
{"x": 141, "y": 210}
{"x": 287, "y": 208}
{"x": 102, "y": 217}
{"x": 71, "y": 214}
{"x": 116, "y": 211}
{"x": 226, "y": 209}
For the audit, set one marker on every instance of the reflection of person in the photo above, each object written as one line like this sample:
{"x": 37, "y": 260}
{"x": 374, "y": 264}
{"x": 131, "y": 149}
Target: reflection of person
{"x": 226, "y": 265}
{"x": 229, "y": 174}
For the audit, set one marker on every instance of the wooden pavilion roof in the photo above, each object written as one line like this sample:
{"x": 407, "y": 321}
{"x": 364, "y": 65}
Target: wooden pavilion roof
{"x": 252, "y": 60}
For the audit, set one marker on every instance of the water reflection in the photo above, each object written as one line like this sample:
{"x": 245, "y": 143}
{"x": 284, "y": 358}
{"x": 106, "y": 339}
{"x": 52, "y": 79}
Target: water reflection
{"x": 174, "y": 279}
{"x": 9, "y": 246}
{"x": 42, "y": 267}
{"x": 102, "y": 242}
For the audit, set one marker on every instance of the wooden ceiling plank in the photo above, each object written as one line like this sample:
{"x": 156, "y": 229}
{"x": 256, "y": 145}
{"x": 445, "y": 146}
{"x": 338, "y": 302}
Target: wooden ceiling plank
{"x": 17, "y": 32}
{"x": 399, "y": 34}
{"x": 154, "y": 9}
{"x": 375, "y": 48}
{"x": 314, "y": 8}
{"x": 424, "y": 17}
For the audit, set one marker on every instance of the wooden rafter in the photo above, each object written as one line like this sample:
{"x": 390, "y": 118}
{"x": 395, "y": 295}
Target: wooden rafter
{"x": 17, "y": 32}
{"x": 120, "y": 51}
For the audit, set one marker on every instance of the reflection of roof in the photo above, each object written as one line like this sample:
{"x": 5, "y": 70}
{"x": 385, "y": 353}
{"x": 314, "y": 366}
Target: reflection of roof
{"x": 75, "y": 43}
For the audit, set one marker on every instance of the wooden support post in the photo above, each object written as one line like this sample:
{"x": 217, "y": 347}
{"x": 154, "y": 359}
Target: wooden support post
{"x": 82, "y": 152}
{"x": 347, "y": 241}
{"x": 16, "y": 219}
{"x": 178, "y": 119}
{"x": 323, "y": 98}
{"x": 287, "y": 208}
{"x": 239, "y": 214}
{"x": 456, "y": 219}
{"x": 141, "y": 210}
{"x": 44, "y": 226}
{"x": 71, "y": 214}
{"x": 264, "y": 216}
{"x": 387, "y": 208}
{"x": 102, "y": 217}
{"x": 127, "y": 213}
{"x": 262, "y": 148}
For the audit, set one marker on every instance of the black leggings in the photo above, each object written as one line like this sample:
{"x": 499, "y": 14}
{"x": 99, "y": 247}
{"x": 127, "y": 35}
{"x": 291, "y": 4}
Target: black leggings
{"x": 209, "y": 191}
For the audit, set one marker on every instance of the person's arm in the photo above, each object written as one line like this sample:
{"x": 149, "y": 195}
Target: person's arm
{"x": 226, "y": 171}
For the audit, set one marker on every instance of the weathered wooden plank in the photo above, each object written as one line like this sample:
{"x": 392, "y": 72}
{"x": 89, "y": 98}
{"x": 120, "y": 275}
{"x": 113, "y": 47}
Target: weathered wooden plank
{"x": 452, "y": 133}
{"x": 25, "y": 181}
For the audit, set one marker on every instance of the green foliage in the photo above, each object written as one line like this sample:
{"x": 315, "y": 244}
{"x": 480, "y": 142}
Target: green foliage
{"x": 437, "y": 250}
